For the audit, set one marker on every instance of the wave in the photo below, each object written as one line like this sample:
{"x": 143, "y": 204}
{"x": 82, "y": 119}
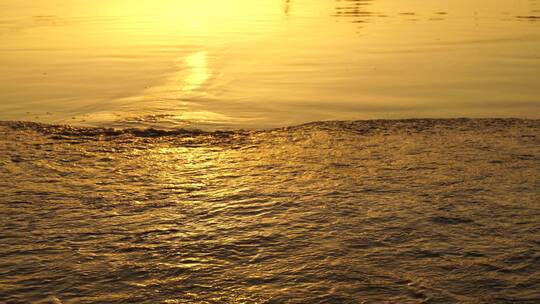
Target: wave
{"x": 362, "y": 126}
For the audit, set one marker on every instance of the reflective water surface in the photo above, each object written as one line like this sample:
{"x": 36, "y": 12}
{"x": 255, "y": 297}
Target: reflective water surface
{"x": 258, "y": 64}
{"x": 103, "y": 209}
{"x": 423, "y": 211}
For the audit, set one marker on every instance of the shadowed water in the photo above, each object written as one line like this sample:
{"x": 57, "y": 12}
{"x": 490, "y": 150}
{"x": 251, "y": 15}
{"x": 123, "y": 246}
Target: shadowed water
{"x": 412, "y": 211}
{"x": 259, "y": 64}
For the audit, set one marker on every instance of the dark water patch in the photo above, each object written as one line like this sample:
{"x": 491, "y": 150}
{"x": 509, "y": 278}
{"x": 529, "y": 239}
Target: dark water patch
{"x": 530, "y": 18}
{"x": 354, "y": 11}
{"x": 66, "y": 131}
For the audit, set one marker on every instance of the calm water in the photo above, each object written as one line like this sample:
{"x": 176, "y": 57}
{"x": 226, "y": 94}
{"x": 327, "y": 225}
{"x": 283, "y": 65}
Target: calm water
{"x": 256, "y": 64}
{"x": 427, "y": 211}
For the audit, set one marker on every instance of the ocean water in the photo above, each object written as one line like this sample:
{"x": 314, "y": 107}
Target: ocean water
{"x": 400, "y": 211}
{"x": 241, "y": 151}
{"x": 268, "y": 63}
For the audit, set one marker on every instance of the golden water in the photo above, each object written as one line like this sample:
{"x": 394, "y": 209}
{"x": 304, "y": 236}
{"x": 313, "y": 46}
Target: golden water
{"x": 425, "y": 211}
{"x": 377, "y": 211}
{"x": 239, "y": 63}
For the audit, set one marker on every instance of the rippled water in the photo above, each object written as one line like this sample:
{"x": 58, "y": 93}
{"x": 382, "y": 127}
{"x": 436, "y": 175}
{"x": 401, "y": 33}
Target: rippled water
{"x": 379, "y": 211}
{"x": 256, "y": 64}
{"x": 414, "y": 211}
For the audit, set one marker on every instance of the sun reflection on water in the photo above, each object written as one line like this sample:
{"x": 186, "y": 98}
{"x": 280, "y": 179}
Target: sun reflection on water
{"x": 189, "y": 80}
{"x": 199, "y": 72}
{"x": 267, "y": 63}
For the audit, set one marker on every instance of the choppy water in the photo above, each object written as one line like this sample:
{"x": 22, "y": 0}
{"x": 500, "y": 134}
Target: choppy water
{"x": 266, "y": 63}
{"x": 415, "y": 211}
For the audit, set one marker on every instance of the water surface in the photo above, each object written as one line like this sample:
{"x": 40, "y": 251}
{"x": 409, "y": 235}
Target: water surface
{"x": 422, "y": 211}
{"x": 239, "y": 63}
